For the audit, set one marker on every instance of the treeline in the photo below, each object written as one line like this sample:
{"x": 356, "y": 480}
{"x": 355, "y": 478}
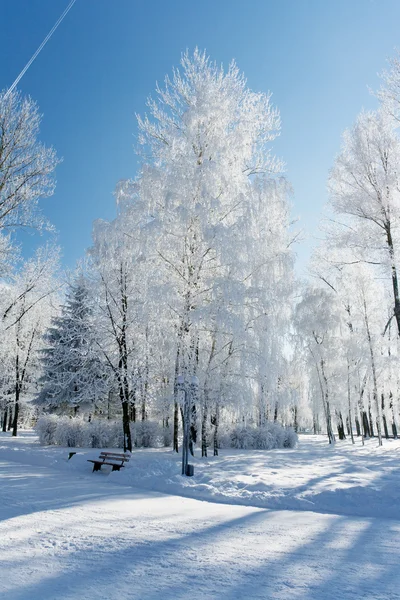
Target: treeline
{"x": 194, "y": 278}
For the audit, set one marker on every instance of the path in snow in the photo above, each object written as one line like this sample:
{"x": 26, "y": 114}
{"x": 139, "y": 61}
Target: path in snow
{"x": 67, "y": 535}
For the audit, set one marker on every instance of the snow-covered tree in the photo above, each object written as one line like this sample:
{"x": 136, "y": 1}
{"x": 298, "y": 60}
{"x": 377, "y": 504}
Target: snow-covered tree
{"x": 27, "y": 306}
{"x": 208, "y": 170}
{"x": 73, "y": 374}
{"x": 365, "y": 194}
{"x": 26, "y": 165}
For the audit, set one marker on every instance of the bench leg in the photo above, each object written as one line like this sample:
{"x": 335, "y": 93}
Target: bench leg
{"x": 96, "y": 467}
{"x": 116, "y": 467}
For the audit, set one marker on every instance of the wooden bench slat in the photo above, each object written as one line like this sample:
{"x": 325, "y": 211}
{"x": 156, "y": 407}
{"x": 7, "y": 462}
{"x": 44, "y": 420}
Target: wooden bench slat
{"x": 114, "y": 454}
{"x": 114, "y": 459}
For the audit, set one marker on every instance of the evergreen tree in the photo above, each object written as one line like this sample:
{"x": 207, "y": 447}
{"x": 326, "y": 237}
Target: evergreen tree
{"x": 73, "y": 376}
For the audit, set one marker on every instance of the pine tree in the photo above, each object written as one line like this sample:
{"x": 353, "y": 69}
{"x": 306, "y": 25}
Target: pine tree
{"x": 74, "y": 376}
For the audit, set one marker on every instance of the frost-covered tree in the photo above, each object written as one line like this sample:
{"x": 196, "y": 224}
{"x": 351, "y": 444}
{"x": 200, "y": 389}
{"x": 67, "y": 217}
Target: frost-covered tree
{"x": 26, "y": 165}
{"x": 365, "y": 195}
{"x": 119, "y": 277}
{"x": 206, "y": 144}
{"x": 317, "y": 320}
{"x": 27, "y": 306}
{"x": 73, "y": 374}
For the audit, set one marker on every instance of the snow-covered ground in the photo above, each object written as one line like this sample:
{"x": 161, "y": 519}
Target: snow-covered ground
{"x": 69, "y": 534}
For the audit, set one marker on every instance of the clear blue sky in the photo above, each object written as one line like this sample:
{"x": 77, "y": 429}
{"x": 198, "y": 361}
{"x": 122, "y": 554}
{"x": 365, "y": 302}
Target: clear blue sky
{"x": 317, "y": 57}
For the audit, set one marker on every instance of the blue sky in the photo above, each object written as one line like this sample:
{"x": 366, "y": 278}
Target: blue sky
{"x": 317, "y": 57}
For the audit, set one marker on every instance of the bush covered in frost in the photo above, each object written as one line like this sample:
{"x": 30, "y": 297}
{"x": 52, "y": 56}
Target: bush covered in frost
{"x": 46, "y": 428}
{"x": 146, "y": 434}
{"x": 98, "y": 433}
{"x": 271, "y": 435}
{"x": 104, "y": 434}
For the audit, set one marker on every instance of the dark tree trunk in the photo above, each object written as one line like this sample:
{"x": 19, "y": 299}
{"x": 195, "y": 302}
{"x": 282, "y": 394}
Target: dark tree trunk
{"x": 385, "y": 427}
{"x": 395, "y": 283}
{"x": 132, "y": 406}
{"x": 215, "y": 422}
{"x": 16, "y": 410}
{"x": 124, "y": 398}
{"x": 143, "y": 415}
{"x": 295, "y": 421}
{"x": 358, "y": 428}
{"x": 10, "y": 419}
{"x": 394, "y": 427}
{"x": 276, "y": 412}
{"x": 176, "y": 427}
{"x": 367, "y": 432}
{"x": 193, "y": 429}
{"x": 340, "y": 426}
{"x": 204, "y": 429}
{"x": 5, "y": 417}
{"x": 371, "y": 423}
{"x": 126, "y": 428}
{"x": 316, "y": 427}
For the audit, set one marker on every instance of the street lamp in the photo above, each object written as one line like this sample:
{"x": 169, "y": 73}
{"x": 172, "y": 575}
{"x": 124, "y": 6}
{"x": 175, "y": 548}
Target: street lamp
{"x": 189, "y": 394}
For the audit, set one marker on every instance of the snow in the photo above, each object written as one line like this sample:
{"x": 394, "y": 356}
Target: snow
{"x": 69, "y": 534}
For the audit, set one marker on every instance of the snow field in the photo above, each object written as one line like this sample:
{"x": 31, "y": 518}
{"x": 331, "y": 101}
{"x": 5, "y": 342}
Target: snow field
{"x": 69, "y": 534}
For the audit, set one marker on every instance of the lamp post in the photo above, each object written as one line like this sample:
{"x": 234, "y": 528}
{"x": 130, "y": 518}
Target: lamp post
{"x": 189, "y": 394}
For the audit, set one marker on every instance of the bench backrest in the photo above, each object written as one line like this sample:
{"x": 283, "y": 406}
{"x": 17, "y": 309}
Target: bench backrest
{"x": 115, "y": 456}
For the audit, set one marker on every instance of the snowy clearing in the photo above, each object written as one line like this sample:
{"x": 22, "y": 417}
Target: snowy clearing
{"x": 70, "y": 534}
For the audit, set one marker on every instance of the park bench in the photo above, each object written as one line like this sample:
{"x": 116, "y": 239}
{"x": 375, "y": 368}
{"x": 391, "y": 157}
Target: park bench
{"x": 114, "y": 459}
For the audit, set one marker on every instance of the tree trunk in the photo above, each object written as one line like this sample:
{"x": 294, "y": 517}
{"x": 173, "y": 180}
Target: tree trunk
{"x": 215, "y": 422}
{"x": 16, "y": 409}
{"x": 374, "y": 379}
{"x": 385, "y": 427}
{"x": 204, "y": 429}
{"x": 176, "y": 427}
{"x": 146, "y": 379}
{"x": 295, "y": 421}
{"x": 325, "y": 402}
{"x": 394, "y": 426}
{"x": 350, "y": 419}
{"x": 367, "y": 432}
{"x": 193, "y": 429}
{"x": 358, "y": 428}
{"x": 316, "y": 428}
{"x": 126, "y": 427}
{"x": 371, "y": 423}
{"x": 5, "y": 417}
{"x": 395, "y": 283}
{"x": 340, "y": 426}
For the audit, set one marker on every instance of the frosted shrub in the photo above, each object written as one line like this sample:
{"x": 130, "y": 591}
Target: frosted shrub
{"x": 266, "y": 438}
{"x": 271, "y": 435}
{"x": 98, "y": 433}
{"x": 291, "y": 438}
{"x": 147, "y": 434}
{"x": 27, "y": 415}
{"x": 167, "y": 436}
{"x": 242, "y": 438}
{"x": 45, "y": 428}
{"x": 70, "y": 432}
{"x": 104, "y": 434}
